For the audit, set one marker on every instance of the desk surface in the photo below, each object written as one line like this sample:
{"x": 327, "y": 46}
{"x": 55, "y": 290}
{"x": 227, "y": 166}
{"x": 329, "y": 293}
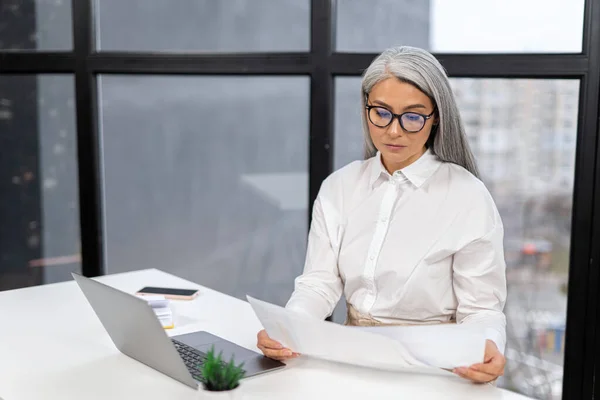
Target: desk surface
{"x": 52, "y": 346}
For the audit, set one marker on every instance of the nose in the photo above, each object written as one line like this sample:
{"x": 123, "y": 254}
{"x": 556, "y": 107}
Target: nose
{"x": 395, "y": 130}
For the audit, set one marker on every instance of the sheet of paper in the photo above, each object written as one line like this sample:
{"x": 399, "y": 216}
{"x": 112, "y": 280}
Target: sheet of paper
{"x": 444, "y": 346}
{"x": 333, "y": 342}
{"x": 420, "y": 349}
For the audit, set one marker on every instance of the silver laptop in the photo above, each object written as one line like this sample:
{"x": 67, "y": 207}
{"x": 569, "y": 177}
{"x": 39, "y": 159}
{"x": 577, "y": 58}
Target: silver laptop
{"x": 136, "y": 332}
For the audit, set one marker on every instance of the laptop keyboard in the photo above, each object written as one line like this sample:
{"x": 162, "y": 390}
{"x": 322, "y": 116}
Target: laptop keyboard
{"x": 192, "y": 358}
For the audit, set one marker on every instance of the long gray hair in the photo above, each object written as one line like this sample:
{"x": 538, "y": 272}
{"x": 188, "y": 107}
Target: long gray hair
{"x": 419, "y": 68}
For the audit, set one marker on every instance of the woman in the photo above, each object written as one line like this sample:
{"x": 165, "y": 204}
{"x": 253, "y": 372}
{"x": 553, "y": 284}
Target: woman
{"x": 410, "y": 235}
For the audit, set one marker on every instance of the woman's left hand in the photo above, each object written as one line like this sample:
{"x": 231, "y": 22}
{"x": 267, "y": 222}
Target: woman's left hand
{"x": 489, "y": 370}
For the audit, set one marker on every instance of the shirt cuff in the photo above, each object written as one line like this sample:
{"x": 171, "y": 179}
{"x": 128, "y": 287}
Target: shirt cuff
{"x": 496, "y": 337}
{"x": 310, "y": 305}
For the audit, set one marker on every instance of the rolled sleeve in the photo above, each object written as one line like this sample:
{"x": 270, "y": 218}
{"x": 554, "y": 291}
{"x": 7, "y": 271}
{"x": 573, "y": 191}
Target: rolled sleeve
{"x": 480, "y": 284}
{"x": 319, "y": 288}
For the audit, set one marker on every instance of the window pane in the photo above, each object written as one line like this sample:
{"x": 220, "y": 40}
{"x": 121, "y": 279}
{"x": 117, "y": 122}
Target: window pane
{"x": 203, "y": 25}
{"x": 35, "y": 25}
{"x": 206, "y": 178}
{"x": 526, "y": 153}
{"x": 461, "y": 26}
{"x": 39, "y": 208}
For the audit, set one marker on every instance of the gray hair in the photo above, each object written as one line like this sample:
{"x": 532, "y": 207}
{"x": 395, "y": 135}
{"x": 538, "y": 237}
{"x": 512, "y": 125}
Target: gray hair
{"x": 421, "y": 69}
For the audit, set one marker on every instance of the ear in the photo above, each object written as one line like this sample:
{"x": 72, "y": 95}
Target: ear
{"x": 436, "y": 116}
{"x": 432, "y": 134}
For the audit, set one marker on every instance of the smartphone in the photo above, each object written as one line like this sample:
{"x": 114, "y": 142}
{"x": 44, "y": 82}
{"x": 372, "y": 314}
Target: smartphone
{"x": 169, "y": 293}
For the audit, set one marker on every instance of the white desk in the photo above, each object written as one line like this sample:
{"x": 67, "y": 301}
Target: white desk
{"x": 53, "y": 347}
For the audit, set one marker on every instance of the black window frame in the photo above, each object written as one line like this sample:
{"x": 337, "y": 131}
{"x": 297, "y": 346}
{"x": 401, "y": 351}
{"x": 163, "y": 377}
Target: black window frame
{"x": 322, "y": 64}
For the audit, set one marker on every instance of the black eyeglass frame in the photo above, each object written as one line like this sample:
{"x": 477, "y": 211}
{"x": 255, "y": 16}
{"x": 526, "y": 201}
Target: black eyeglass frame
{"x": 399, "y": 117}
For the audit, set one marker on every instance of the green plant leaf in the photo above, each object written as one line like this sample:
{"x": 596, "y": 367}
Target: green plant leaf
{"x": 216, "y": 375}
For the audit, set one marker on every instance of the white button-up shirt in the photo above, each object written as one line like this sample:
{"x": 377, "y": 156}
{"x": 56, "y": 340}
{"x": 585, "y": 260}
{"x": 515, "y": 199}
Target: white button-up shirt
{"x": 423, "y": 245}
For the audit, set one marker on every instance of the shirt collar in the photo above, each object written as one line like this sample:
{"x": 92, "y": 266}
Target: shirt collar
{"x": 417, "y": 172}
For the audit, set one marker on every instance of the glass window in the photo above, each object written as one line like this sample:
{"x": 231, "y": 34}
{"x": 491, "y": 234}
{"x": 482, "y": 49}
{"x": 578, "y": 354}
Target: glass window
{"x": 35, "y": 25}
{"x": 530, "y": 174}
{"x": 207, "y": 178}
{"x": 461, "y": 26}
{"x": 39, "y": 208}
{"x": 203, "y": 25}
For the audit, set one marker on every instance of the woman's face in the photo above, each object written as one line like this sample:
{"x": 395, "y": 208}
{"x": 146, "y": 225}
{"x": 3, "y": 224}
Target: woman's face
{"x": 399, "y": 146}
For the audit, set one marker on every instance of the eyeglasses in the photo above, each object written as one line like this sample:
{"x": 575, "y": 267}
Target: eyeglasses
{"x": 411, "y": 122}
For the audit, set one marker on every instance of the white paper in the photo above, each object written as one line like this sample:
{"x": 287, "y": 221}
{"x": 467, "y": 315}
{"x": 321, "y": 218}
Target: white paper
{"x": 330, "y": 341}
{"x": 156, "y": 301}
{"x": 160, "y": 306}
{"x": 421, "y": 349}
{"x": 443, "y": 346}
{"x": 163, "y": 312}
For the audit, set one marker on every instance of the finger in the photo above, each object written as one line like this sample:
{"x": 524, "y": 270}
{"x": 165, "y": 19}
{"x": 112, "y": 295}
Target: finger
{"x": 277, "y": 354}
{"x": 283, "y": 351}
{"x": 473, "y": 375}
{"x": 493, "y": 368}
{"x": 477, "y": 377}
{"x": 266, "y": 341}
{"x": 271, "y": 344}
{"x": 495, "y": 365}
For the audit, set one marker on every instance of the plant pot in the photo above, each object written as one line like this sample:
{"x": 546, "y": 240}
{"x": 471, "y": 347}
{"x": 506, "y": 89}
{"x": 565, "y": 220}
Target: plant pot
{"x": 233, "y": 394}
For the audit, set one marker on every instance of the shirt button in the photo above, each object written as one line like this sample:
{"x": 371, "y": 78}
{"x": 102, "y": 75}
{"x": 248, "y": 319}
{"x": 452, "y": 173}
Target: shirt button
{"x": 372, "y": 257}
{"x": 384, "y": 219}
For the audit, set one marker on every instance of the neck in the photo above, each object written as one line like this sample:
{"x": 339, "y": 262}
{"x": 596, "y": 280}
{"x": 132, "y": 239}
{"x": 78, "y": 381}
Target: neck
{"x": 392, "y": 167}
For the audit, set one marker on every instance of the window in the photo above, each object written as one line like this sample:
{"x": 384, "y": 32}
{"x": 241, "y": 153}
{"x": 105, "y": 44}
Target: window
{"x": 568, "y": 123}
{"x": 461, "y": 26}
{"x": 39, "y": 233}
{"x": 35, "y": 25}
{"x": 172, "y": 153}
{"x": 203, "y": 25}
{"x": 537, "y": 225}
{"x": 389, "y": 23}
{"x": 199, "y": 181}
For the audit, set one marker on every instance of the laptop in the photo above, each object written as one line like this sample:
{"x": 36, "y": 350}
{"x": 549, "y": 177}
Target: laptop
{"x": 136, "y": 332}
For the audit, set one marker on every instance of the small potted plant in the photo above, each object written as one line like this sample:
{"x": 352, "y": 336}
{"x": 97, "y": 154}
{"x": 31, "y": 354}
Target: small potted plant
{"x": 220, "y": 380}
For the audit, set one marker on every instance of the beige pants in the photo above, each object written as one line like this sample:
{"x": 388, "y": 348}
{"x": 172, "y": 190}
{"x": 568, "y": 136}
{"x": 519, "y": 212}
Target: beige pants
{"x": 356, "y": 318}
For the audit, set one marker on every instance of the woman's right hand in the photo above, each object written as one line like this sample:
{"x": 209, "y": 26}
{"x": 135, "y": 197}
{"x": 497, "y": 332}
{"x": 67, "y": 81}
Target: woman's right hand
{"x": 272, "y": 348}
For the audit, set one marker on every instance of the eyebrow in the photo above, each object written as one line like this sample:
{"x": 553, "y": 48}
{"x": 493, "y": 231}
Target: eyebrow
{"x": 381, "y": 103}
